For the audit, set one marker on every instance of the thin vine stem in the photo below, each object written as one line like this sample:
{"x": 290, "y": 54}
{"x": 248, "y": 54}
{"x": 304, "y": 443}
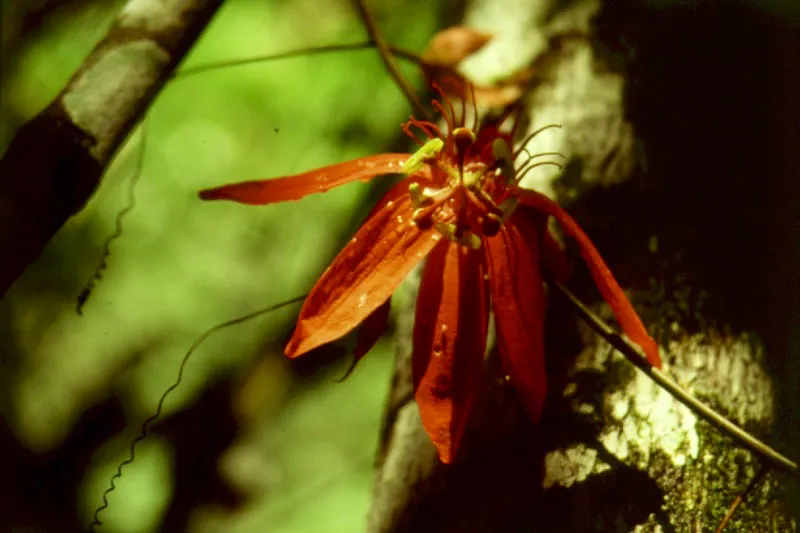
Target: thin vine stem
{"x": 388, "y": 59}
{"x": 314, "y": 50}
{"x": 635, "y": 355}
{"x": 145, "y": 428}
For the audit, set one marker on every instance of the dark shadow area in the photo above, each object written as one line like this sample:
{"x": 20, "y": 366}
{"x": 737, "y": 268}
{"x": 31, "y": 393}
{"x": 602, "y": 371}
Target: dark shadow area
{"x": 38, "y": 489}
{"x": 712, "y": 93}
{"x": 501, "y": 489}
{"x": 199, "y": 435}
{"x": 609, "y": 502}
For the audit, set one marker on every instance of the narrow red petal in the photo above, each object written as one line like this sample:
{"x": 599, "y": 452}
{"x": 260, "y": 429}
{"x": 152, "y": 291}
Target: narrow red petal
{"x": 513, "y": 257}
{"x": 363, "y": 276}
{"x": 609, "y": 288}
{"x": 370, "y": 331}
{"x": 554, "y": 258}
{"x": 323, "y": 179}
{"x": 449, "y": 343}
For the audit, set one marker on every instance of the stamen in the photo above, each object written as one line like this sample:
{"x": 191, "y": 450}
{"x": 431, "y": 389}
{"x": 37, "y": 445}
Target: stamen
{"x": 438, "y": 106}
{"x": 464, "y": 139}
{"x": 449, "y": 103}
{"x": 522, "y": 173}
{"x": 532, "y": 135}
{"x": 430, "y": 129}
{"x": 474, "y": 107}
{"x": 463, "y": 120}
{"x": 410, "y": 133}
{"x": 532, "y": 156}
{"x": 458, "y": 88}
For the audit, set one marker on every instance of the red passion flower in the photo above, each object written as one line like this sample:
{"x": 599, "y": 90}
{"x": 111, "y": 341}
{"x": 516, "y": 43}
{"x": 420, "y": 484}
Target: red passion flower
{"x": 486, "y": 241}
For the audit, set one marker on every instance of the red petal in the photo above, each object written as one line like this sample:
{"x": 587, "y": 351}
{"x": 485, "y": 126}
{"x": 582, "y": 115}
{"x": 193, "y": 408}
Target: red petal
{"x": 369, "y": 333}
{"x": 372, "y": 329}
{"x": 518, "y": 305}
{"x": 609, "y": 288}
{"x": 554, "y": 258}
{"x": 364, "y": 274}
{"x": 323, "y": 179}
{"x": 449, "y": 343}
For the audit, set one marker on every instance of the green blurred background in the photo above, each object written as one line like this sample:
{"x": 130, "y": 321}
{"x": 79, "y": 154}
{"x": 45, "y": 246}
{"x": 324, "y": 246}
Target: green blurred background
{"x": 248, "y": 442}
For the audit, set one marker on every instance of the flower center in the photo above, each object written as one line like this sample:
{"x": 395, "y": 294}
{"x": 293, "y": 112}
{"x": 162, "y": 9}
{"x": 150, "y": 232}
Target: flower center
{"x": 467, "y": 198}
{"x": 470, "y": 175}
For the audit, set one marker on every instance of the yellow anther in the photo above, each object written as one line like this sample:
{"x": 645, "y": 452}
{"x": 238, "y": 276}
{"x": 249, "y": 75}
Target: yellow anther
{"x": 423, "y": 156}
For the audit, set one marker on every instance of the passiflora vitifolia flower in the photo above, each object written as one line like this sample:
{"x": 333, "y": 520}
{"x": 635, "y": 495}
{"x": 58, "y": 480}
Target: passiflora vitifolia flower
{"x": 486, "y": 241}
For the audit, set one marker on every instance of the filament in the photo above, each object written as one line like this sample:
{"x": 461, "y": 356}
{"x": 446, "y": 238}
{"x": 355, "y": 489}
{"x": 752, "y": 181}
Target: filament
{"x": 528, "y": 169}
{"x": 532, "y": 135}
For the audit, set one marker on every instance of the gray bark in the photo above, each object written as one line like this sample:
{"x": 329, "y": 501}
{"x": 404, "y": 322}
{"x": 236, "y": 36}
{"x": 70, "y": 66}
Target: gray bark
{"x": 55, "y": 161}
{"x": 614, "y": 452}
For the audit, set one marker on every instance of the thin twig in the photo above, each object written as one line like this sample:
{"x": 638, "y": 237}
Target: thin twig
{"x": 740, "y": 497}
{"x": 388, "y": 60}
{"x": 635, "y": 355}
{"x": 368, "y": 45}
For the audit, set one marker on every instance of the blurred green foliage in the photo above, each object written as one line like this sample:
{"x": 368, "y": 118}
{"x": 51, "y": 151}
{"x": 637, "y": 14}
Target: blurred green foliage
{"x": 300, "y": 450}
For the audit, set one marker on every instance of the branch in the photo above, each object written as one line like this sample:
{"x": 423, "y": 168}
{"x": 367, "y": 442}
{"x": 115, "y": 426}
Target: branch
{"x": 56, "y": 160}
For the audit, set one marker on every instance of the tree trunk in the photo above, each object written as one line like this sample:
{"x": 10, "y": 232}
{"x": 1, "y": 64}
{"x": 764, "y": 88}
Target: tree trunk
{"x": 55, "y": 161}
{"x": 665, "y": 138}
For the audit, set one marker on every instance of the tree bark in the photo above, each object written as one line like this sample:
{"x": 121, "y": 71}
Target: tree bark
{"x": 55, "y": 161}
{"x": 642, "y": 98}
